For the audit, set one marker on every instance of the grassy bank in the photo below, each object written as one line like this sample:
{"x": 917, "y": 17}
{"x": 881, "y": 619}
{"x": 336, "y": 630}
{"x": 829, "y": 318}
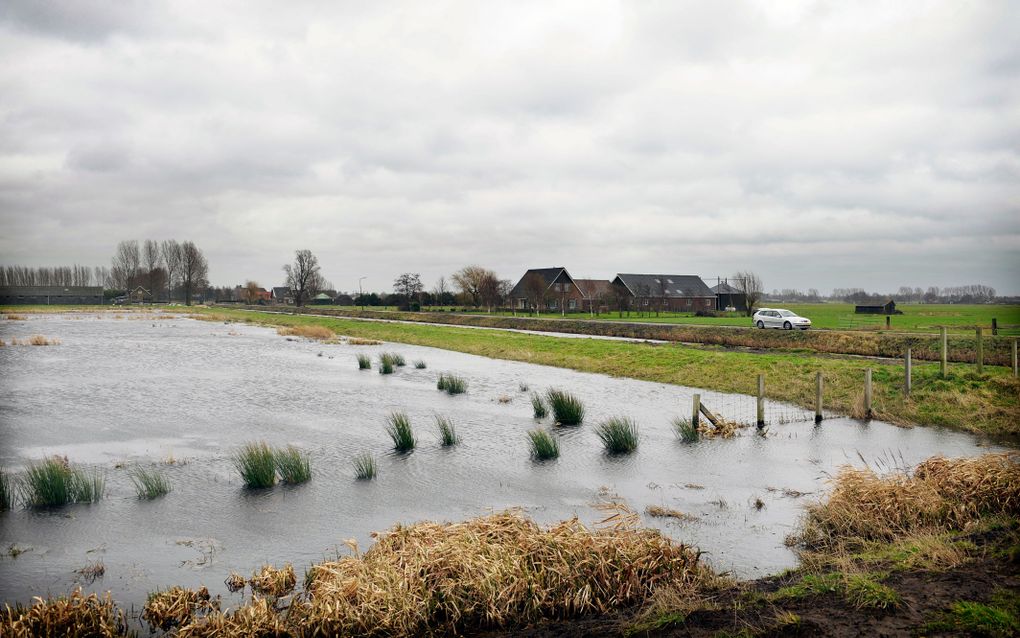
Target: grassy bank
{"x": 987, "y": 403}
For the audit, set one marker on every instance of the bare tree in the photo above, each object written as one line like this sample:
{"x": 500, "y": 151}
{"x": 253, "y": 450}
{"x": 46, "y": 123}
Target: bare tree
{"x": 251, "y": 292}
{"x": 470, "y": 279}
{"x": 154, "y": 273}
{"x": 621, "y": 297}
{"x": 303, "y": 276}
{"x": 126, "y": 264}
{"x": 194, "y": 270}
{"x": 750, "y": 285}
{"x": 171, "y": 253}
{"x": 536, "y": 290}
{"x": 440, "y": 290}
{"x": 488, "y": 290}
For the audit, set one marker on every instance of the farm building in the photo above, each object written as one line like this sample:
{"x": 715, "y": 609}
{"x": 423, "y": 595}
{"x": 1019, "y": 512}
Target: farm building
{"x": 727, "y": 296}
{"x": 597, "y": 294}
{"x": 550, "y": 289}
{"x": 671, "y": 293}
{"x": 281, "y": 295}
{"x": 888, "y": 308}
{"x": 45, "y": 295}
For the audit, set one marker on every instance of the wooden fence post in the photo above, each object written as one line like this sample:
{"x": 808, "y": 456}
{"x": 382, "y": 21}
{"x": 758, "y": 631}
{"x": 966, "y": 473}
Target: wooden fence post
{"x": 906, "y": 373}
{"x": 995, "y": 326}
{"x": 818, "y": 397}
{"x": 867, "y": 393}
{"x": 980, "y": 351}
{"x": 761, "y": 397}
{"x": 696, "y": 414}
{"x": 1014, "y": 359}
{"x": 888, "y": 322}
{"x": 944, "y": 361}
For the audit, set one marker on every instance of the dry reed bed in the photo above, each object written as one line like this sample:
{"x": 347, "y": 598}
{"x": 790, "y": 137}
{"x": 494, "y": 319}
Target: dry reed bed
{"x": 177, "y": 606}
{"x": 73, "y": 616}
{"x": 494, "y": 571}
{"x": 270, "y": 581}
{"x": 940, "y": 494}
{"x": 319, "y": 333}
{"x": 35, "y": 340}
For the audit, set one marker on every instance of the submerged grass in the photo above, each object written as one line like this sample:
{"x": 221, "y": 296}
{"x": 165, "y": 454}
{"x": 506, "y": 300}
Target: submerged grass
{"x": 566, "y": 408}
{"x": 447, "y": 433}
{"x": 54, "y": 481}
{"x": 364, "y": 362}
{"x": 451, "y": 383}
{"x": 364, "y": 467}
{"x": 685, "y": 429}
{"x": 400, "y": 431}
{"x": 150, "y": 484}
{"x": 538, "y": 406}
{"x": 619, "y": 435}
{"x": 293, "y": 465}
{"x": 543, "y": 445}
{"x": 256, "y": 463}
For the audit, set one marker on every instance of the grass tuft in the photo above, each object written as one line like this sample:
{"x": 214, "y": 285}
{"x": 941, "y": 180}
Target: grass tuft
{"x": 294, "y": 466}
{"x": 400, "y": 431}
{"x": 364, "y": 362}
{"x": 451, "y": 383}
{"x": 618, "y": 434}
{"x": 447, "y": 433}
{"x": 385, "y": 363}
{"x": 685, "y": 430}
{"x": 6, "y": 491}
{"x": 150, "y": 484}
{"x": 395, "y": 359}
{"x": 53, "y": 482}
{"x": 538, "y": 406}
{"x": 420, "y": 364}
{"x": 543, "y": 445}
{"x": 256, "y": 463}
{"x": 364, "y": 467}
{"x": 566, "y": 408}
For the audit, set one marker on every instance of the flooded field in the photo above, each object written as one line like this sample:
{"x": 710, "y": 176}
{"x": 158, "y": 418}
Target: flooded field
{"x": 181, "y": 396}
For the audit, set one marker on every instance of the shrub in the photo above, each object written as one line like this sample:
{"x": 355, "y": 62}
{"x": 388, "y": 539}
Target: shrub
{"x": 543, "y": 445}
{"x": 150, "y": 484}
{"x": 685, "y": 429}
{"x": 566, "y": 408}
{"x": 256, "y": 463}
{"x": 293, "y": 466}
{"x": 447, "y": 433}
{"x": 400, "y": 431}
{"x": 538, "y": 405}
{"x": 618, "y": 434}
{"x": 364, "y": 362}
{"x": 54, "y": 481}
{"x": 364, "y": 467}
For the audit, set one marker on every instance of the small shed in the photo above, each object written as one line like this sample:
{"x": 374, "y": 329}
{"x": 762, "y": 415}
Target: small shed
{"x": 727, "y": 296}
{"x": 322, "y": 299}
{"x": 888, "y": 308}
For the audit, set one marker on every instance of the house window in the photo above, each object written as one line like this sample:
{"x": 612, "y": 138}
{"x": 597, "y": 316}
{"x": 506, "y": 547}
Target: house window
{"x": 572, "y": 304}
{"x": 644, "y": 302}
{"x": 688, "y": 303}
{"x": 522, "y": 302}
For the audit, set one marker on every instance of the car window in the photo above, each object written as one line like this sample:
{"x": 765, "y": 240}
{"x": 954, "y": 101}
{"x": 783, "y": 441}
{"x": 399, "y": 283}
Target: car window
{"x": 786, "y": 313}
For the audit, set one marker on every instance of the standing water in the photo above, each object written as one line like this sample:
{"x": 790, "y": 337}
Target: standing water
{"x": 180, "y": 396}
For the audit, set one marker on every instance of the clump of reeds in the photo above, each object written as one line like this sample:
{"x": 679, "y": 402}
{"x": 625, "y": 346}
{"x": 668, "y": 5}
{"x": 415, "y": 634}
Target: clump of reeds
{"x": 538, "y": 406}
{"x": 451, "y": 383}
{"x": 498, "y": 570}
{"x": 320, "y": 333}
{"x": 177, "y": 607}
{"x": 400, "y": 431}
{"x": 293, "y": 466}
{"x": 665, "y": 512}
{"x": 39, "y": 340}
{"x": 447, "y": 433}
{"x": 364, "y": 362}
{"x": 14, "y": 317}
{"x": 420, "y": 364}
{"x": 149, "y": 484}
{"x": 92, "y": 571}
{"x": 256, "y": 463}
{"x": 6, "y": 491}
{"x": 72, "y": 616}
{"x": 235, "y": 582}
{"x": 386, "y": 363}
{"x": 395, "y": 358}
{"x": 357, "y": 341}
{"x": 54, "y": 481}
{"x": 941, "y": 494}
{"x": 685, "y": 430}
{"x": 619, "y": 435}
{"x": 259, "y": 617}
{"x": 543, "y": 445}
{"x": 364, "y": 467}
{"x": 270, "y": 581}
{"x": 566, "y": 408}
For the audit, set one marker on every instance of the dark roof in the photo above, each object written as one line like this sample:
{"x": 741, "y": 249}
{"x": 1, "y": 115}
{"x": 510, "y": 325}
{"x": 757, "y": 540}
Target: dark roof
{"x": 591, "y": 287}
{"x": 549, "y": 275}
{"x": 675, "y": 285}
{"x": 279, "y": 292}
{"x": 724, "y": 288}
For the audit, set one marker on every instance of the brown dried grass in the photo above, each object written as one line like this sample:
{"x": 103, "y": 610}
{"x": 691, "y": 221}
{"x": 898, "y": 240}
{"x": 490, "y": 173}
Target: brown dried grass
{"x": 39, "y": 340}
{"x": 723, "y": 429}
{"x": 357, "y": 341}
{"x": 270, "y": 581}
{"x": 941, "y": 494}
{"x": 257, "y": 618}
{"x": 235, "y": 582}
{"x": 15, "y": 317}
{"x": 176, "y": 607}
{"x": 320, "y": 333}
{"x": 73, "y": 616}
{"x": 665, "y": 512}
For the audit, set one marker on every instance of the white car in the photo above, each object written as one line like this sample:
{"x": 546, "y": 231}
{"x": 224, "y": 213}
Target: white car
{"x": 779, "y": 318}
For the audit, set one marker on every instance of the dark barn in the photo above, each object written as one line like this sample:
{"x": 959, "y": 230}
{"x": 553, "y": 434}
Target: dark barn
{"x": 47, "y": 295}
{"x": 726, "y": 296}
{"x": 888, "y": 308}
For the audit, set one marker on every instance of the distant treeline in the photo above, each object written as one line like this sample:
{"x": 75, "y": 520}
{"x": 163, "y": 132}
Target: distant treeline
{"x": 54, "y": 276}
{"x": 973, "y": 293}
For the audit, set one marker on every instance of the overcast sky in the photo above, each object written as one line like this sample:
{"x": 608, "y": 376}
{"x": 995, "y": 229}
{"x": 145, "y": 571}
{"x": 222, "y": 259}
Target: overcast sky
{"x": 820, "y": 144}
